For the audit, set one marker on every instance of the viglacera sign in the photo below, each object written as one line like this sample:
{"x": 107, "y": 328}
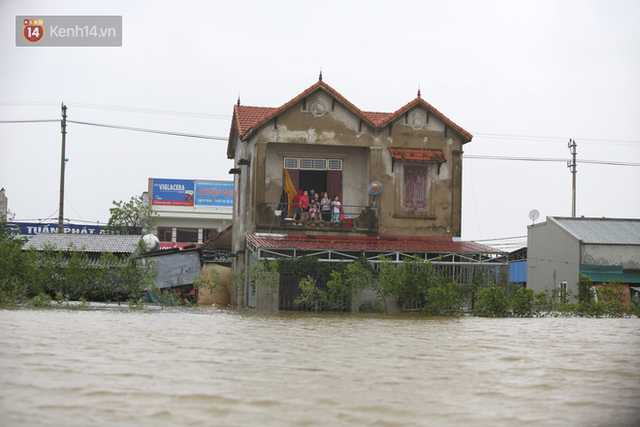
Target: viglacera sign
{"x": 187, "y": 192}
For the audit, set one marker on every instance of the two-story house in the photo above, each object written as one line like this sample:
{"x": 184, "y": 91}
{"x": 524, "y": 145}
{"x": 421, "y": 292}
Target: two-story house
{"x": 395, "y": 174}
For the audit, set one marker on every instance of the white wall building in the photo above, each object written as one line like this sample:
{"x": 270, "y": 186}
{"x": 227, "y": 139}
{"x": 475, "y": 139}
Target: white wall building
{"x": 190, "y": 211}
{"x": 561, "y": 249}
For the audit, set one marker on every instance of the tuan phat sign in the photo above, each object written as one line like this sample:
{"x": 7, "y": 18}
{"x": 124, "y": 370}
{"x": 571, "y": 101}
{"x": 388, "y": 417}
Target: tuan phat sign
{"x": 30, "y": 229}
{"x": 187, "y": 192}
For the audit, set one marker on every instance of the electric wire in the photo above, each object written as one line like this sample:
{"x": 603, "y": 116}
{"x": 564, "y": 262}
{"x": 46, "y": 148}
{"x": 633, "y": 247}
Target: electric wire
{"x": 161, "y": 132}
{"x": 31, "y": 121}
{"x": 220, "y": 138}
{"x": 150, "y": 111}
{"x": 543, "y": 159}
{"x": 596, "y": 141}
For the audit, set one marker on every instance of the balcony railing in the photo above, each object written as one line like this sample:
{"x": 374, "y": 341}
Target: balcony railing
{"x": 353, "y": 219}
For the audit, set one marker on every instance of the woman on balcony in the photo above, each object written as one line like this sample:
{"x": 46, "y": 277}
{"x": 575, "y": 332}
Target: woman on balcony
{"x": 325, "y": 207}
{"x": 296, "y": 206}
{"x": 304, "y": 205}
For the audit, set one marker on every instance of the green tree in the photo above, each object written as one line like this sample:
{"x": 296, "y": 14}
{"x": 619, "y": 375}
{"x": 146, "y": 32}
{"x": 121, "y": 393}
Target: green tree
{"x": 132, "y": 217}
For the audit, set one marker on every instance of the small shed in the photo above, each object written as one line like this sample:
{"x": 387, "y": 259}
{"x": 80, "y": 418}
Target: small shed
{"x": 604, "y": 249}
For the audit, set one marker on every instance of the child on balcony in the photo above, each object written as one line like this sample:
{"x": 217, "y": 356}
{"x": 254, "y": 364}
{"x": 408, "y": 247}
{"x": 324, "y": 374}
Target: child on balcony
{"x": 335, "y": 217}
{"x": 314, "y": 210}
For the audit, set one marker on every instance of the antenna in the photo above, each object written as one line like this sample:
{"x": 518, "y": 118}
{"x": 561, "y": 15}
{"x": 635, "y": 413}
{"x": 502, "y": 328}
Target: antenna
{"x": 533, "y": 215}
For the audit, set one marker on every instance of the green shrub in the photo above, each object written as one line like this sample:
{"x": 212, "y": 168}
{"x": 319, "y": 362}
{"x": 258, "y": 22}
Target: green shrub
{"x": 523, "y": 302}
{"x": 491, "y": 301}
{"x": 444, "y": 299}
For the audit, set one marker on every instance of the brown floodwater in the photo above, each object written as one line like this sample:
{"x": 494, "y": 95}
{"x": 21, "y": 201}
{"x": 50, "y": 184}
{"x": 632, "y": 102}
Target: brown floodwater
{"x": 202, "y": 367}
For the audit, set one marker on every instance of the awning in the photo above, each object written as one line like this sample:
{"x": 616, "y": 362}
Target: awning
{"x": 418, "y": 155}
{"x": 442, "y": 249}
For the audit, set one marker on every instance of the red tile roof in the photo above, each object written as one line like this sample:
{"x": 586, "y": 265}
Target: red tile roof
{"x": 418, "y": 154}
{"x": 251, "y": 117}
{"x": 361, "y": 243}
{"x": 246, "y": 116}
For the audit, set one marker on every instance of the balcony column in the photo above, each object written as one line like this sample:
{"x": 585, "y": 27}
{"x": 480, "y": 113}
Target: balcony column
{"x": 260, "y": 170}
{"x": 375, "y": 166}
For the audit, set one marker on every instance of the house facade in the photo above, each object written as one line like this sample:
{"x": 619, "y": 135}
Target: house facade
{"x": 326, "y": 143}
{"x": 396, "y": 174}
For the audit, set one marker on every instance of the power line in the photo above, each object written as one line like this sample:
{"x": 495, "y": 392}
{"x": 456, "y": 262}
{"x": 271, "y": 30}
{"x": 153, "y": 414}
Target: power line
{"x": 596, "y": 141}
{"x": 220, "y": 138}
{"x": 501, "y": 238}
{"x": 150, "y": 111}
{"x": 118, "y": 108}
{"x": 162, "y": 132}
{"x": 542, "y": 159}
{"x": 30, "y": 121}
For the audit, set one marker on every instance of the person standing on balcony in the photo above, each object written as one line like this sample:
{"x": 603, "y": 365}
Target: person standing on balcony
{"x": 336, "y": 209}
{"x": 296, "y": 206}
{"x": 325, "y": 207}
{"x": 304, "y": 205}
{"x": 314, "y": 209}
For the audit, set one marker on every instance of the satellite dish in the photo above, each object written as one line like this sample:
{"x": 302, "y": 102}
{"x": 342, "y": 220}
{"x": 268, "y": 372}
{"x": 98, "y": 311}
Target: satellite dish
{"x": 533, "y": 215}
{"x": 374, "y": 188}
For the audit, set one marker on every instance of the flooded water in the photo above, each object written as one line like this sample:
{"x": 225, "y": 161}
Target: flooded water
{"x": 211, "y": 367}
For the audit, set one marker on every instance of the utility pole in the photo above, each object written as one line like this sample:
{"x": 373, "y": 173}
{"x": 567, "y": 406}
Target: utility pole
{"x": 63, "y": 161}
{"x": 572, "y": 165}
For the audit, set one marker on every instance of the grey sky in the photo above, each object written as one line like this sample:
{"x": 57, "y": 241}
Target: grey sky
{"x": 545, "y": 71}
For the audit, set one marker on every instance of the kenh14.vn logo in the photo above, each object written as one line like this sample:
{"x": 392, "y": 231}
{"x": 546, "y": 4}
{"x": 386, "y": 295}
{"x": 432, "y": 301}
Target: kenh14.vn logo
{"x": 33, "y": 30}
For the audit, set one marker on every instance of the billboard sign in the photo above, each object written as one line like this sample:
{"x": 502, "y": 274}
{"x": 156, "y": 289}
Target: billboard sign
{"x": 188, "y": 192}
{"x": 214, "y": 193}
{"x": 173, "y": 192}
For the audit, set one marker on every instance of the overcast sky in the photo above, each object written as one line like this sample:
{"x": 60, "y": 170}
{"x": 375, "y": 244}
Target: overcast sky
{"x": 522, "y": 77}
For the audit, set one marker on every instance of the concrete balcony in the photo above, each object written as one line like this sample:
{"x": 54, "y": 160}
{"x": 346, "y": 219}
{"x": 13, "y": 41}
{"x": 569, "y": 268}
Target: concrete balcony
{"x": 357, "y": 220}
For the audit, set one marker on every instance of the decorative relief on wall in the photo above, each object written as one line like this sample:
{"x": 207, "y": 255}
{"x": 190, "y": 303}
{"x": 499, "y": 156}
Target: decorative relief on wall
{"x": 318, "y": 109}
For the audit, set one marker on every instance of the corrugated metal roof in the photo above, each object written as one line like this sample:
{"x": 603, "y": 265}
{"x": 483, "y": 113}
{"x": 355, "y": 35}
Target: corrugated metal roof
{"x": 124, "y": 244}
{"x": 607, "y": 231}
{"x": 361, "y": 243}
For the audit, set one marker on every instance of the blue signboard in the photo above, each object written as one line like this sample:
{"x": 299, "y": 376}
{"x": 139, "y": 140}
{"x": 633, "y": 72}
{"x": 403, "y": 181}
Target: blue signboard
{"x": 173, "y": 192}
{"x": 187, "y": 192}
{"x": 30, "y": 229}
{"x": 214, "y": 193}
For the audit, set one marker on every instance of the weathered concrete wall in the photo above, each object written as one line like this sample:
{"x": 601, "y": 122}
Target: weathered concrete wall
{"x": 220, "y": 295}
{"x": 628, "y": 256}
{"x": 341, "y": 134}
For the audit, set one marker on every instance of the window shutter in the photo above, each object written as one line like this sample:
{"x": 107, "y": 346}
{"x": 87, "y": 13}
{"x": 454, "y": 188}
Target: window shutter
{"x": 415, "y": 188}
{"x": 334, "y": 183}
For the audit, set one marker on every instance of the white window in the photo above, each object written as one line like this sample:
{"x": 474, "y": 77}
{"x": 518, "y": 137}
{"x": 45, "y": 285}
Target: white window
{"x": 312, "y": 164}
{"x": 290, "y": 163}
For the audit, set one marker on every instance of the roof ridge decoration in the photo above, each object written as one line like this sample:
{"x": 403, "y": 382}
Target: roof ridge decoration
{"x": 250, "y": 121}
